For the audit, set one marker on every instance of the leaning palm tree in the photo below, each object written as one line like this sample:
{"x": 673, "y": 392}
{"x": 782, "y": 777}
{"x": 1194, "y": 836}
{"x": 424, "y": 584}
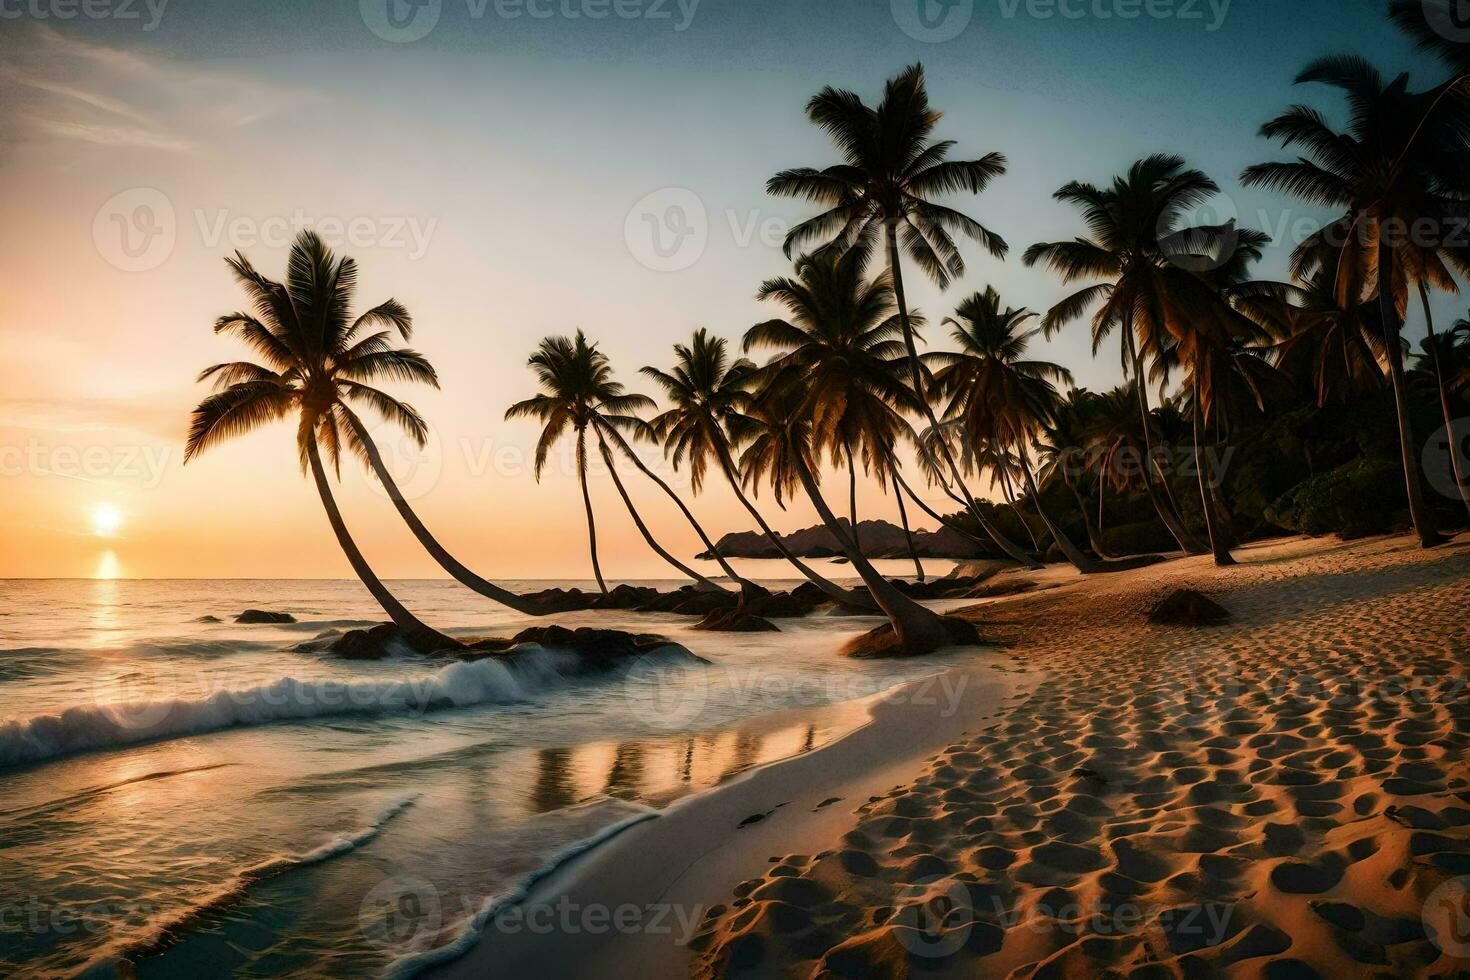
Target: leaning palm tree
{"x": 1136, "y": 256}
{"x": 580, "y": 395}
{"x": 890, "y": 171}
{"x": 1067, "y": 453}
{"x": 318, "y": 365}
{"x": 777, "y": 434}
{"x": 1394, "y": 167}
{"x": 706, "y": 392}
{"x": 1000, "y": 396}
{"x": 842, "y": 336}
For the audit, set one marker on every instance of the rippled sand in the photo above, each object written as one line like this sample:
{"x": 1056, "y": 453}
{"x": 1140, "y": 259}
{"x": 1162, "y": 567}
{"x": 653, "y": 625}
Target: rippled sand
{"x": 1286, "y": 795}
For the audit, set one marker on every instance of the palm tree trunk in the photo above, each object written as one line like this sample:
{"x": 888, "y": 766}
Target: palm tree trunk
{"x": 916, "y": 372}
{"x": 1074, "y": 554}
{"x": 946, "y": 522}
{"x": 1094, "y": 537}
{"x": 643, "y": 528}
{"x": 1444, "y": 399}
{"x": 421, "y": 637}
{"x": 745, "y": 585}
{"x": 903, "y": 518}
{"x": 446, "y": 561}
{"x": 918, "y": 629}
{"x": 852, "y": 494}
{"x": 1218, "y": 547}
{"x": 1172, "y": 521}
{"x": 1005, "y": 486}
{"x": 1388, "y": 311}
{"x": 836, "y": 592}
{"x": 587, "y": 504}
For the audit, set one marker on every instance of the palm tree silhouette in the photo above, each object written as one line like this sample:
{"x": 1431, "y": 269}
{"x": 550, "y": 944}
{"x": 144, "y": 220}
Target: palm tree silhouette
{"x": 318, "y": 362}
{"x": 778, "y": 435}
{"x": 1334, "y": 349}
{"x": 889, "y": 171}
{"x": 998, "y": 395}
{"x": 842, "y": 336}
{"x": 1389, "y": 169}
{"x": 579, "y": 394}
{"x": 1141, "y": 255}
{"x": 1066, "y": 453}
{"x": 706, "y": 392}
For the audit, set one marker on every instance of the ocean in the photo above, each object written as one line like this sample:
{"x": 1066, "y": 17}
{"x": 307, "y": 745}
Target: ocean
{"x": 181, "y": 795}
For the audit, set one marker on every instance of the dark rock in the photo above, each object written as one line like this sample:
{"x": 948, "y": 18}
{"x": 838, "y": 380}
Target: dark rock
{"x": 208, "y": 619}
{"x": 264, "y": 616}
{"x": 734, "y": 621}
{"x": 624, "y": 597}
{"x": 704, "y": 603}
{"x": 1187, "y": 607}
{"x": 783, "y": 603}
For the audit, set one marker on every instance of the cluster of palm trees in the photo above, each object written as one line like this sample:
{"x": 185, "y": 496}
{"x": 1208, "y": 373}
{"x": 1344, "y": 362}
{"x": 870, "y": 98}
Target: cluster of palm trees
{"x": 843, "y": 380}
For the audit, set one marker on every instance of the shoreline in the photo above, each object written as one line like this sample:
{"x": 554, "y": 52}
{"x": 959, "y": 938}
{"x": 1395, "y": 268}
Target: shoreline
{"x": 801, "y": 798}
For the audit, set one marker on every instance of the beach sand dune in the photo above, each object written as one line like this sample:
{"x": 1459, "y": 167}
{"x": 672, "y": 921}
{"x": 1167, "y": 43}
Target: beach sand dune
{"x": 1286, "y": 795}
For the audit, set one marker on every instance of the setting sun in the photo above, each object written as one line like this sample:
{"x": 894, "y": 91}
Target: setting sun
{"x": 106, "y": 520}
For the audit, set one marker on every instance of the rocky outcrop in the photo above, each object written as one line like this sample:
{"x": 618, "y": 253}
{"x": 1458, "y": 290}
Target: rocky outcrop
{"x": 879, "y": 539}
{"x": 264, "y": 616}
{"x": 597, "y": 649}
{"x": 734, "y": 621}
{"x": 1185, "y": 607}
{"x": 882, "y": 642}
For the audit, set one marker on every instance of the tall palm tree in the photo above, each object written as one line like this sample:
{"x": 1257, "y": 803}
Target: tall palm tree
{"x": 318, "y": 362}
{"x": 706, "y": 391}
{"x": 1334, "y": 349}
{"x": 778, "y": 435}
{"x": 998, "y": 395}
{"x": 1392, "y": 169}
{"x": 843, "y": 339}
{"x": 579, "y": 393}
{"x": 891, "y": 169}
{"x": 1136, "y": 252}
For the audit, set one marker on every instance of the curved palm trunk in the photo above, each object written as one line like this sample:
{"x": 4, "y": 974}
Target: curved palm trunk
{"x": 587, "y": 504}
{"x": 643, "y": 528}
{"x": 1172, "y": 521}
{"x": 1388, "y": 312}
{"x": 1074, "y": 554}
{"x": 1005, "y": 486}
{"x": 918, "y": 629}
{"x": 916, "y": 372}
{"x": 423, "y": 638}
{"x": 1094, "y": 538}
{"x": 903, "y": 517}
{"x": 946, "y": 522}
{"x": 852, "y": 495}
{"x": 1444, "y": 399}
{"x": 836, "y": 592}
{"x": 446, "y": 561}
{"x": 1218, "y": 546}
{"x": 745, "y": 585}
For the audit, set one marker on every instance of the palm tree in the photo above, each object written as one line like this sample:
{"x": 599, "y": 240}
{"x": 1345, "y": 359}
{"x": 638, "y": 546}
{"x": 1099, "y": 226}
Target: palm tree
{"x": 579, "y": 394}
{"x": 842, "y": 337}
{"x": 890, "y": 170}
{"x": 1389, "y": 170}
{"x": 318, "y": 362}
{"x": 706, "y": 392}
{"x": 1138, "y": 252}
{"x": 999, "y": 396}
{"x": 778, "y": 436}
{"x": 1065, "y": 453}
{"x": 1333, "y": 348}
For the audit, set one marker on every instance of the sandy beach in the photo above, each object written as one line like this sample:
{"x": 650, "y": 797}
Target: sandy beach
{"x": 1284, "y": 795}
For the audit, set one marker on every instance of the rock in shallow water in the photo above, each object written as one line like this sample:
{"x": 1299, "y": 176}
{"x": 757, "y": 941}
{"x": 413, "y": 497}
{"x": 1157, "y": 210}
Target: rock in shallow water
{"x": 598, "y": 648}
{"x": 264, "y": 616}
{"x": 734, "y": 621}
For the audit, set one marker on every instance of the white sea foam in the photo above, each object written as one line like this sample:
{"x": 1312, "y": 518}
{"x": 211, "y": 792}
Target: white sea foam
{"x": 107, "y": 725}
